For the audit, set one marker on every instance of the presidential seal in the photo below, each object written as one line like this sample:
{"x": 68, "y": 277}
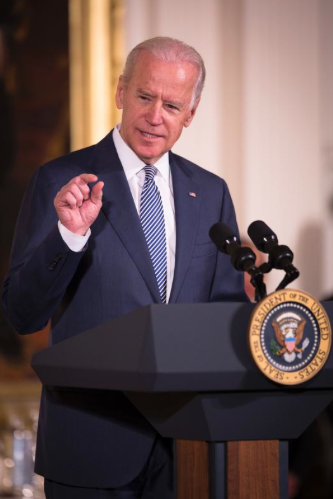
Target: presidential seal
{"x": 289, "y": 336}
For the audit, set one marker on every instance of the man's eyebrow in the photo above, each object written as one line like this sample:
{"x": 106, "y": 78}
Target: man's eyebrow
{"x": 175, "y": 103}
{"x": 144, "y": 92}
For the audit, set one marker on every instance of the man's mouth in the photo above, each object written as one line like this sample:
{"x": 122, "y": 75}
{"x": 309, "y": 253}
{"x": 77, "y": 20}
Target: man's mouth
{"x": 150, "y": 135}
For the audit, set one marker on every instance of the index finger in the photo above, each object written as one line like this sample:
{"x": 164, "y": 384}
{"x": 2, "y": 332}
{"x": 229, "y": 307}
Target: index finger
{"x": 87, "y": 178}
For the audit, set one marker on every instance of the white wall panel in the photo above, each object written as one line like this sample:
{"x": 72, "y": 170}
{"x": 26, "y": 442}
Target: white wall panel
{"x": 265, "y": 120}
{"x": 281, "y": 139}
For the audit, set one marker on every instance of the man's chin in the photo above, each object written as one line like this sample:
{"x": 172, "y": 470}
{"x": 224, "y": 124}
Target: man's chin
{"x": 149, "y": 155}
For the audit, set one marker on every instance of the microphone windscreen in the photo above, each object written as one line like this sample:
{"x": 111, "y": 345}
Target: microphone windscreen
{"x": 220, "y": 234}
{"x": 260, "y": 233}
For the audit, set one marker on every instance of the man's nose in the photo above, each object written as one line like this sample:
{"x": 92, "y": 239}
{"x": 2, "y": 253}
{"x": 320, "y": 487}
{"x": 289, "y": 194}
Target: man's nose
{"x": 154, "y": 114}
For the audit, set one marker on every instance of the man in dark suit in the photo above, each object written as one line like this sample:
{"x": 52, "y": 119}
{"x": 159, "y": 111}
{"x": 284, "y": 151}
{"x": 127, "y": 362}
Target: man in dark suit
{"x": 88, "y": 259}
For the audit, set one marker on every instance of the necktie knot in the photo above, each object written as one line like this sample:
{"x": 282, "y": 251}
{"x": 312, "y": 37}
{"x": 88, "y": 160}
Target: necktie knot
{"x": 150, "y": 171}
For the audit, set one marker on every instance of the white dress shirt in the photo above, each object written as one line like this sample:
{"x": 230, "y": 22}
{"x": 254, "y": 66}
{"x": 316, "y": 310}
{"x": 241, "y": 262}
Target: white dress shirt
{"x": 135, "y": 175}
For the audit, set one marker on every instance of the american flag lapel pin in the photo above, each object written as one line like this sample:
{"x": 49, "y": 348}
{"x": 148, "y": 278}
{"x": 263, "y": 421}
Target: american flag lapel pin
{"x": 192, "y": 194}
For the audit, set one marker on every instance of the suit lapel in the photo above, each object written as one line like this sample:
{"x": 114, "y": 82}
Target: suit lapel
{"x": 120, "y": 210}
{"x": 187, "y": 210}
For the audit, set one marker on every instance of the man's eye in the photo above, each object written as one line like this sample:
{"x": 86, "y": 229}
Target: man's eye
{"x": 171, "y": 106}
{"x": 143, "y": 97}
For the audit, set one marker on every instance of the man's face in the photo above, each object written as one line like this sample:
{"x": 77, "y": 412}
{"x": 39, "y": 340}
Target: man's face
{"x": 156, "y": 105}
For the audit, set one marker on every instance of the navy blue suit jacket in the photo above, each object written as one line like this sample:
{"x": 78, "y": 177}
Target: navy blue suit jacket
{"x": 99, "y": 439}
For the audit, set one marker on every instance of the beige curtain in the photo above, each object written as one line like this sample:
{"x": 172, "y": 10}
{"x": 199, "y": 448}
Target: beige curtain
{"x": 96, "y": 60}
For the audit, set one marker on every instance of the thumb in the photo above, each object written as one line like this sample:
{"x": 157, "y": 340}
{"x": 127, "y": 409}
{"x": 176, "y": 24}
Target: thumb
{"x": 97, "y": 193}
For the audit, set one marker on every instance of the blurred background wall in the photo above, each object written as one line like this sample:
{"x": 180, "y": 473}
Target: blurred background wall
{"x": 265, "y": 122}
{"x": 34, "y": 127}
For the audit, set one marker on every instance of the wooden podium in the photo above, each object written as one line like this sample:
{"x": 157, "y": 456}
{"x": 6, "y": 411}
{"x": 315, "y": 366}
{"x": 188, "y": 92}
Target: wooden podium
{"x": 188, "y": 370}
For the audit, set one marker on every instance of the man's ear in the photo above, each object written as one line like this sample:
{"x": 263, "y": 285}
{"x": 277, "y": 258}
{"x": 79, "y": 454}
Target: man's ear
{"x": 191, "y": 114}
{"x": 120, "y": 92}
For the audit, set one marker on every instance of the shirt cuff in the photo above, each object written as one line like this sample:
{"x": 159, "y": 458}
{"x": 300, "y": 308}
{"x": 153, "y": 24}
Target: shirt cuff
{"x": 75, "y": 242}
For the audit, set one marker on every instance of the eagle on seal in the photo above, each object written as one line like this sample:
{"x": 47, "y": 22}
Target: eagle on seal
{"x": 289, "y": 329}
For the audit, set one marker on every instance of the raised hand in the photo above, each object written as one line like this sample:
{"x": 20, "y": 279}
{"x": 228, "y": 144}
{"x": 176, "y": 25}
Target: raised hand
{"x": 77, "y": 206}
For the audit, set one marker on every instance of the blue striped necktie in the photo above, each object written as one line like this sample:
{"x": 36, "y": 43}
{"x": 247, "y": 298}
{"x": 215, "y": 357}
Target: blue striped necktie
{"x": 153, "y": 224}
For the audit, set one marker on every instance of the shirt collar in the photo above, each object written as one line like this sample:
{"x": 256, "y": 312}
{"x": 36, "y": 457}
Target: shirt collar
{"x": 132, "y": 164}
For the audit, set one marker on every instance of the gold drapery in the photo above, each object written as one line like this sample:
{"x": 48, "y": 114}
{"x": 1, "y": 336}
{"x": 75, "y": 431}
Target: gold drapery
{"x": 96, "y": 61}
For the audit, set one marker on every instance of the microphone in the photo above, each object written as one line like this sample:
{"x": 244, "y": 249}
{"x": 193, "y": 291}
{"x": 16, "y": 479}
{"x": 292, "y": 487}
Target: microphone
{"x": 279, "y": 256}
{"x": 228, "y": 243}
{"x": 262, "y": 236}
{"x": 242, "y": 258}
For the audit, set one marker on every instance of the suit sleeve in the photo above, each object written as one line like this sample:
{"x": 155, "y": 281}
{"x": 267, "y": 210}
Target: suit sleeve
{"x": 41, "y": 265}
{"x": 228, "y": 283}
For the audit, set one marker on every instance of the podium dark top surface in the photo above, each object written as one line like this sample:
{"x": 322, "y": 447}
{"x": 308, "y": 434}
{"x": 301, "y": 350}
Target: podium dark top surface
{"x": 166, "y": 348}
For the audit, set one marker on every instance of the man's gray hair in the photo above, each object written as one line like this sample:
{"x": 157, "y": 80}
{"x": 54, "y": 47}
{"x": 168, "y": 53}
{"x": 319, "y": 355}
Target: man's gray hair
{"x": 168, "y": 50}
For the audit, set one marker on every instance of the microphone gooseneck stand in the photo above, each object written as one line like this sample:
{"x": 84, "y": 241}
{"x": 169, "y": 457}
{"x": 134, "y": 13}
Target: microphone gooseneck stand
{"x": 280, "y": 257}
{"x": 242, "y": 257}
